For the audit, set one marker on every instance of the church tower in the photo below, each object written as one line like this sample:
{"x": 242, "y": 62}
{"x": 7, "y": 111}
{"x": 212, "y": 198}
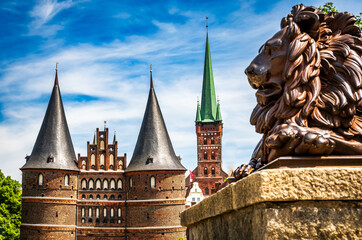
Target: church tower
{"x": 155, "y": 180}
{"x": 209, "y": 130}
{"x": 50, "y": 178}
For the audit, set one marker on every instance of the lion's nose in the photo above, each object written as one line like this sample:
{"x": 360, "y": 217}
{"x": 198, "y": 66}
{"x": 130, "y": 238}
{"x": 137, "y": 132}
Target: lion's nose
{"x": 249, "y": 71}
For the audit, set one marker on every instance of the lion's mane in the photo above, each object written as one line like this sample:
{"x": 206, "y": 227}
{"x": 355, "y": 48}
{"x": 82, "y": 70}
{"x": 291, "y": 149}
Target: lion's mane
{"x": 322, "y": 76}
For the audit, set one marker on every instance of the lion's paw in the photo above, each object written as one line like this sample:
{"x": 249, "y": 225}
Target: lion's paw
{"x": 293, "y": 139}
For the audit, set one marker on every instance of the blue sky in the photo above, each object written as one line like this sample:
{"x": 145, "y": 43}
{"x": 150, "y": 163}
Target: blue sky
{"x": 104, "y": 49}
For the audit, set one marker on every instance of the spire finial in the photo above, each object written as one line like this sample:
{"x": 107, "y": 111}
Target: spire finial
{"x": 198, "y": 100}
{"x": 207, "y": 25}
{"x": 56, "y": 74}
{"x": 151, "y": 81}
{"x": 105, "y": 125}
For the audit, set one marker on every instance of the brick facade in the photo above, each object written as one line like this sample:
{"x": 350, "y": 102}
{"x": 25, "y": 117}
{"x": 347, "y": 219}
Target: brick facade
{"x": 100, "y": 201}
{"x": 208, "y": 172}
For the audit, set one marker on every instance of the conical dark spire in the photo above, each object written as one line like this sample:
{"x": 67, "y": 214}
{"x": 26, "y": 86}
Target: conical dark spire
{"x": 153, "y": 149}
{"x": 53, "y": 148}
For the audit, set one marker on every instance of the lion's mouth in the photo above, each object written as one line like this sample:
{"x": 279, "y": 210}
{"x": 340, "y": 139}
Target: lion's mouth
{"x": 266, "y": 92}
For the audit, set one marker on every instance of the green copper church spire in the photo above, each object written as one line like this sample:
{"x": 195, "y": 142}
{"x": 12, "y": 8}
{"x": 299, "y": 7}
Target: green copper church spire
{"x": 208, "y": 99}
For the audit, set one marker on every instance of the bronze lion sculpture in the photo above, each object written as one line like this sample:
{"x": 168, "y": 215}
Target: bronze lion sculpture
{"x": 308, "y": 79}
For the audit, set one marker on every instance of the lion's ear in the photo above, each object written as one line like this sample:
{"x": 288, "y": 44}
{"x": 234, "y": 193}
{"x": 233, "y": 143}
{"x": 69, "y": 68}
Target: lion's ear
{"x": 309, "y": 22}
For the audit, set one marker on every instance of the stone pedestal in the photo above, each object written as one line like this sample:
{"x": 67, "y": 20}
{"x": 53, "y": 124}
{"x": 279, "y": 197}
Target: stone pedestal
{"x": 289, "y": 203}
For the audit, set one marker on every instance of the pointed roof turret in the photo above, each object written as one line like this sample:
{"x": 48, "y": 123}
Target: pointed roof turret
{"x": 95, "y": 138}
{"x": 153, "y": 150}
{"x": 218, "y": 113}
{"x": 198, "y": 113}
{"x": 53, "y": 148}
{"x": 114, "y": 138}
{"x": 208, "y": 99}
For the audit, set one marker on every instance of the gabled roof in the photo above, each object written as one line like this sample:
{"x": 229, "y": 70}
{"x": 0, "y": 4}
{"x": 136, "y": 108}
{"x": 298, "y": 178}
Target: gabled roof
{"x": 153, "y": 149}
{"x": 53, "y": 148}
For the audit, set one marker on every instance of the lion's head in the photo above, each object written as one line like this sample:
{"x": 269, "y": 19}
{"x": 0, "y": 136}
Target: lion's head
{"x": 309, "y": 73}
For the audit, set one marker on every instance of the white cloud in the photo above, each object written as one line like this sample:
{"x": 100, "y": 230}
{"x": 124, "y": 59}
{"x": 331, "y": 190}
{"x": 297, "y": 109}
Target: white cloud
{"x": 116, "y": 76}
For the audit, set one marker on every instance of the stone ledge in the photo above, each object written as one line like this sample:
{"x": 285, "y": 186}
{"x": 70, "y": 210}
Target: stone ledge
{"x": 280, "y": 185}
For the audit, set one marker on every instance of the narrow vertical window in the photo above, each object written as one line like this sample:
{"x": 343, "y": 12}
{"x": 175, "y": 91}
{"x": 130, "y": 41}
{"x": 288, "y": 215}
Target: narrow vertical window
{"x": 212, "y": 141}
{"x": 113, "y": 184}
{"x": 206, "y": 191}
{"x": 93, "y": 161}
{"x": 119, "y": 212}
{"x": 205, "y": 155}
{"x": 102, "y": 161}
{"x": 83, "y": 164}
{"x": 119, "y": 184}
{"x": 83, "y": 212}
{"x": 97, "y": 212}
{"x": 213, "y": 171}
{"x": 90, "y": 212}
{"x": 130, "y": 183}
{"x": 104, "y": 212}
{"x": 102, "y": 145}
{"x": 213, "y": 155}
{"x": 120, "y": 164}
{"x": 105, "y": 184}
{"x": 112, "y": 212}
{"x": 84, "y": 184}
{"x": 153, "y": 181}
{"x": 91, "y": 184}
{"x": 111, "y": 161}
{"x": 40, "y": 179}
{"x": 66, "y": 180}
{"x": 205, "y": 171}
{"x": 205, "y": 141}
{"x": 98, "y": 184}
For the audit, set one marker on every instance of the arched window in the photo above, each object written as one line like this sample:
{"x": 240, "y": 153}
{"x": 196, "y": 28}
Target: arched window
{"x": 97, "y": 212}
{"x": 119, "y": 197}
{"x": 213, "y": 155}
{"x": 91, "y": 196}
{"x": 205, "y": 171}
{"x": 213, "y": 171}
{"x": 90, "y": 212}
{"x": 66, "y": 180}
{"x": 83, "y": 212}
{"x": 93, "y": 161}
{"x": 98, "y": 196}
{"x": 119, "y": 212}
{"x": 40, "y": 179}
{"x": 104, "y": 212}
{"x": 212, "y": 141}
{"x": 205, "y": 155}
{"x": 206, "y": 191}
{"x": 91, "y": 184}
{"x": 83, "y": 196}
{"x": 113, "y": 184}
{"x": 119, "y": 184}
{"x": 112, "y": 212}
{"x": 105, "y": 197}
{"x": 102, "y": 145}
{"x": 102, "y": 161}
{"x": 105, "y": 184}
{"x": 205, "y": 141}
{"x": 111, "y": 161}
{"x": 120, "y": 164}
{"x": 98, "y": 184}
{"x": 84, "y": 184}
{"x": 83, "y": 164}
{"x": 112, "y": 197}
{"x": 130, "y": 183}
{"x": 152, "y": 181}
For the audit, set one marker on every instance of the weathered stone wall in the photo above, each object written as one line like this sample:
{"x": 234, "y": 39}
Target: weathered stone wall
{"x": 308, "y": 203}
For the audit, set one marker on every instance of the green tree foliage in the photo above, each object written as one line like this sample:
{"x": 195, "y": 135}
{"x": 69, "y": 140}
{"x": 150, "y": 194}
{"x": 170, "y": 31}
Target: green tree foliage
{"x": 10, "y": 208}
{"x": 329, "y": 7}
